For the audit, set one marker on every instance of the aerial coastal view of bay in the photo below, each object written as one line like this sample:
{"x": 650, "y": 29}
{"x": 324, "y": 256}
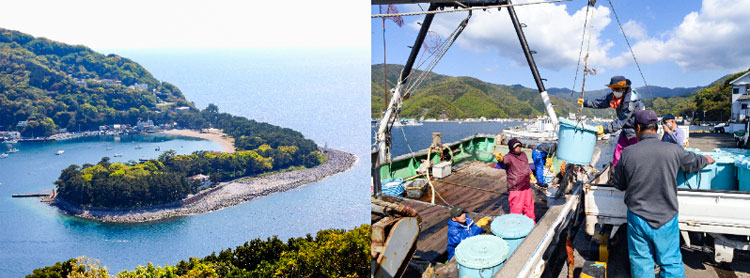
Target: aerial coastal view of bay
{"x": 340, "y": 201}
{"x": 292, "y": 93}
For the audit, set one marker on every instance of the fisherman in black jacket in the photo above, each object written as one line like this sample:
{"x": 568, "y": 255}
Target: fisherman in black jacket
{"x": 647, "y": 173}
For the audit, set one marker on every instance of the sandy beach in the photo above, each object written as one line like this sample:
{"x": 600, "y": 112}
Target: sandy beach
{"x": 223, "y": 195}
{"x": 226, "y": 142}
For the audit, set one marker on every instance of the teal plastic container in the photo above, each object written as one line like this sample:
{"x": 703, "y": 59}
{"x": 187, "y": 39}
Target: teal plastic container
{"x": 576, "y": 142}
{"x": 706, "y": 176}
{"x": 725, "y": 174}
{"x": 513, "y": 228}
{"x": 481, "y": 256}
{"x": 743, "y": 173}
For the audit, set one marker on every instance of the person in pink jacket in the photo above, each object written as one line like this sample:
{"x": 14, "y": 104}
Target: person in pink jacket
{"x": 519, "y": 175}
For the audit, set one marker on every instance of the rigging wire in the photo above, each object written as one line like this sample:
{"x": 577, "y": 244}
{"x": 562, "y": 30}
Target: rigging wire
{"x": 469, "y": 9}
{"x": 580, "y": 51}
{"x": 631, "y": 48}
{"x": 586, "y": 69}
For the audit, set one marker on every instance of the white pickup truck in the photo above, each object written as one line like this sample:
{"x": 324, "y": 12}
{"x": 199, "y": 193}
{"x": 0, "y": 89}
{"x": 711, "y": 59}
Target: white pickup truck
{"x": 721, "y": 214}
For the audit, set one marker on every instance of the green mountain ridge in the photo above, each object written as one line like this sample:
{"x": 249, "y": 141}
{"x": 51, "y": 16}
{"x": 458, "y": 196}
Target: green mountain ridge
{"x": 447, "y": 97}
{"x": 52, "y": 85}
{"x": 442, "y": 96}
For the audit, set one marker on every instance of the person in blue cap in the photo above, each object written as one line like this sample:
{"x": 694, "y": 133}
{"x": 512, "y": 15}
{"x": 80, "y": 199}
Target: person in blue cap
{"x": 625, "y": 101}
{"x": 461, "y": 227}
{"x": 672, "y": 134}
{"x": 647, "y": 172}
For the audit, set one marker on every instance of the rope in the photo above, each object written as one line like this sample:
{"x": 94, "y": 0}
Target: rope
{"x": 442, "y": 50}
{"x": 586, "y": 69}
{"x": 631, "y": 48}
{"x": 468, "y": 9}
{"x": 580, "y": 50}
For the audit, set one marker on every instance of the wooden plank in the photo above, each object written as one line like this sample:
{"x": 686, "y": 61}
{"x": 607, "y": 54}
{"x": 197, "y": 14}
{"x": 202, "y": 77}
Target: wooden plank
{"x": 478, "y": 188}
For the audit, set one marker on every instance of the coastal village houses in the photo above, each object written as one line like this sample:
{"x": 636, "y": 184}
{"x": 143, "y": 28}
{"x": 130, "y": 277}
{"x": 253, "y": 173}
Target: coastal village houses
{"x": 740, "y": 97}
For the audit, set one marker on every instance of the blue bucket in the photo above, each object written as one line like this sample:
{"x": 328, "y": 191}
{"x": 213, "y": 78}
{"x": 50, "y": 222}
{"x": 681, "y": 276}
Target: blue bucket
{"x": 481, "y": 256}
{"x": 576, "y": 142}
{"x": 513, "y": 228}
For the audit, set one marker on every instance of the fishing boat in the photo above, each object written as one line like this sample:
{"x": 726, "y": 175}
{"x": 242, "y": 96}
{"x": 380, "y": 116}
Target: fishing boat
{"x": 10, "y": 141}
{"x": 407, "y": 122}
{"x": 575, "y": 217}
{"x": 13, "y": 150}
{"x": 59, "y": 152}
{"x": 118, "y": 155}
{"x": 3, "y": 155}
{"x": 539, "y": 129}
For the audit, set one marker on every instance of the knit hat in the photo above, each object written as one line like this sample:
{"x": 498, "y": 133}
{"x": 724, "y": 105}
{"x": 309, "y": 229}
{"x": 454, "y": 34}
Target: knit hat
{"x": 456, "y": 211}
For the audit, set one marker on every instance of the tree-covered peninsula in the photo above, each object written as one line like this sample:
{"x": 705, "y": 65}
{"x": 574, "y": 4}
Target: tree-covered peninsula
{"x": 48, "y": 87}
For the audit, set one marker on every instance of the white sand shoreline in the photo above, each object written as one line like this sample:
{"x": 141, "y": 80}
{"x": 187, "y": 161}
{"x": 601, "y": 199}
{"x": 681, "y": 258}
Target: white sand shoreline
{"x": 226, "y": 142}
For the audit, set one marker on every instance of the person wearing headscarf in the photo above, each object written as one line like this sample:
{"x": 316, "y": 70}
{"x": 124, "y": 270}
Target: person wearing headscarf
{"x": 519, "y": 175}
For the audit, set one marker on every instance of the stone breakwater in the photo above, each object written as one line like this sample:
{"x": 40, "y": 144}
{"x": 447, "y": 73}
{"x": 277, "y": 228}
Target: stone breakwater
{"x": 223, "y": 195}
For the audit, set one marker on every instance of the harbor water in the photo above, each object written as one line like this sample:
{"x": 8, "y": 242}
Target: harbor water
{"x": 298, "y": 89}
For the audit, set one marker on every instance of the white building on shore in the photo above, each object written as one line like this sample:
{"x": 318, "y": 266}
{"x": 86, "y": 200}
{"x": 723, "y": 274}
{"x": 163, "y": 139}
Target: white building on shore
{"x": 740, "y": 97}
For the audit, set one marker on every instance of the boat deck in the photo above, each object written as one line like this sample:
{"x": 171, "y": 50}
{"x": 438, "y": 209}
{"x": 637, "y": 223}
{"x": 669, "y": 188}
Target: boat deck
{"x": 475, "y": 186}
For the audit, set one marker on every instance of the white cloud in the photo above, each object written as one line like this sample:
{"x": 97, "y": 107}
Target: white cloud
{"x": 551, "y": 31}
{"x": 634, "y": 30}
{"x": 191, "y": 23}
{"x": 715, "y": 38}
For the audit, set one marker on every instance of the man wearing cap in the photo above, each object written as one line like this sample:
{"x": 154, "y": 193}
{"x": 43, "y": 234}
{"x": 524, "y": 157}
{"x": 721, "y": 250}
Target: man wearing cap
{"x": 625, "y": 101}
{"x": 461, "y": 227}
{"x": 647, "y": 173}
{"x": 672, "y": 134}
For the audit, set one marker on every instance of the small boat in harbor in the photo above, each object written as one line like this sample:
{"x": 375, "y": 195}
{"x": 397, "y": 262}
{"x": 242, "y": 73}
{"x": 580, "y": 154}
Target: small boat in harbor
{"x": 13, "y": 150}
{"x": 541, "y": 129}
{"x": 143, "y": 159}
{"x": 157, "y": 148}
{"x": 59, "y": 152}
{"x": 109, "y": 148}
{"x": 10, "y": 141}
{"x": 118, "y": 155}
{"x": 406, "y": 122}
{"x": 3, "y": 155}
{"x": 138, "y": 147}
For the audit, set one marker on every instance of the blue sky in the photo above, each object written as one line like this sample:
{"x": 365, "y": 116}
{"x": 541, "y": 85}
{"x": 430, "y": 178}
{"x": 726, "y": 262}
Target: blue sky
{"x": 677, "y": 43}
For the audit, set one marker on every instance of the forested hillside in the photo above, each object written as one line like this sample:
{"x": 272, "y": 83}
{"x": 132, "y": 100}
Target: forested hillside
{"x": 332, "y": 253}
{"x": 442, "y": 96}
{"x": 715, "y": 100}
{"x": 54, "y": 85}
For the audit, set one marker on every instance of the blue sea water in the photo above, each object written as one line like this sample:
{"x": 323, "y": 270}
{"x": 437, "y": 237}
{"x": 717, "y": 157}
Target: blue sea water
{"x": 322, "y": 93}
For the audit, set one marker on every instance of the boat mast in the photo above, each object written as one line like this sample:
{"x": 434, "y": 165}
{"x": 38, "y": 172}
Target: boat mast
{"x": 383, "y": 136}
{"x": 532, "y": 64}
{"x": 381, "y": 155}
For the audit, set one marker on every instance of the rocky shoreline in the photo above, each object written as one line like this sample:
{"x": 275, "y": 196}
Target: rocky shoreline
{"x": 223, "y": 195}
